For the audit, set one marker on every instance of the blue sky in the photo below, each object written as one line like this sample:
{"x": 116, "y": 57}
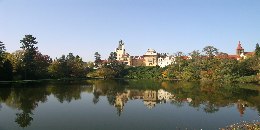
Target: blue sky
{"x": 86, "y": 26}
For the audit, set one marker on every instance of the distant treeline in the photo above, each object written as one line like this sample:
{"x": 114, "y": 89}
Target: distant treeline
{"x": 30, "y": 64}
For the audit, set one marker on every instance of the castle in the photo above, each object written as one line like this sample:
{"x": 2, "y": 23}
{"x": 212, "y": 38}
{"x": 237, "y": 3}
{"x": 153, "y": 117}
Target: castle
{"x": 152, "y": 58}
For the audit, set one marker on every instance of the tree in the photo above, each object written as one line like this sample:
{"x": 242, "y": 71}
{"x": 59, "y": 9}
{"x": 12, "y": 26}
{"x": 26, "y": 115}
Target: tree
{"x": 23, "y": 119}
{"x": 210, "y": 51}
{"x": 257, "y": 50}
{"x": 42, "y": 62}
{"x": 28, "y": 45}
{"x": 16, "y": 59}
{"x": 97, "y": 62}
{"x": 69, "y": 66}
{"x": 112, "y": 57}
{"x": 2, "y": 49}
{"x": 195, "y": 54}
{"x": 6, "y": 69}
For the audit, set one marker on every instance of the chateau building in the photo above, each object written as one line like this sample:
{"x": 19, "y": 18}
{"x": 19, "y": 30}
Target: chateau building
{"x": 122, "y": 56}
{"x": 152, "y": 58}
{"x": 165, "y": 60}
{"x": 137, "y": 61}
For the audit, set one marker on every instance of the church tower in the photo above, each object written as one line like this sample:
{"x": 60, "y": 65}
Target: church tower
{"x": 239, "y": 49}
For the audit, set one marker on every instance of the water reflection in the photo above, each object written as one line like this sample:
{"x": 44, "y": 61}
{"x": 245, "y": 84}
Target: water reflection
{"x": 209, "y": 98}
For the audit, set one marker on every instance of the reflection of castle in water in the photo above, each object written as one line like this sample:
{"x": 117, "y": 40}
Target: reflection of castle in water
{"x": 241, "y": 107}
{"x": 150, "y": 98}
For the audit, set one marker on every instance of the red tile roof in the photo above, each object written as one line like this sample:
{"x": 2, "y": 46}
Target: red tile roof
{"x": 233, "y": 57}
{"x": 249, "y": 53}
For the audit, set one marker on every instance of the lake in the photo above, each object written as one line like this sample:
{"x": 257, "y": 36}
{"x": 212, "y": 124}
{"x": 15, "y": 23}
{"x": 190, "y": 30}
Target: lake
{"x": 126, "y": 104}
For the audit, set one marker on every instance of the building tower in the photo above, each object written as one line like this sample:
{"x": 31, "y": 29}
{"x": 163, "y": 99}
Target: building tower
{"x": 120, "y": 50}
{"x": 239, "y": 49}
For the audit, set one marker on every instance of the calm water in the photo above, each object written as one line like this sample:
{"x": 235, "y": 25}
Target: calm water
{"x": 143, "y": 104}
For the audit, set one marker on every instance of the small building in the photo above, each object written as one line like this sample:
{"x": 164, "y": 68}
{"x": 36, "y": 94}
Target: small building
{"x": 165, "y": 60}
{"x": 151, "y": 58}
{"x": 164, "y": 95}
{"x": 137, "y": 61}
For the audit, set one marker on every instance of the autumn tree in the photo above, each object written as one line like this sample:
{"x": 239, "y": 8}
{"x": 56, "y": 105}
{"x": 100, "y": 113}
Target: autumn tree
{"x": 42, "y": 62}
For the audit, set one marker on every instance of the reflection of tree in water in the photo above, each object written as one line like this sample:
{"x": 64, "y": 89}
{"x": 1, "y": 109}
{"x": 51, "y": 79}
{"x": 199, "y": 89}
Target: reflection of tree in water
{"x": 28, "y": 99}
{"x": 210, "y": 108}
{"x": 111, "y": 99}
{"x": 107, "y": 88}
{"x": 212, "y": 96}
{"x": 111, "y": 89}
{"x": 23, "y": 119}
{"x": 96, "y": 97}
{"x": 4, "y": 94}
{"x": 67, "y": 92}
{"x": 24, "y": 98}
{"x": 177, "y": 103}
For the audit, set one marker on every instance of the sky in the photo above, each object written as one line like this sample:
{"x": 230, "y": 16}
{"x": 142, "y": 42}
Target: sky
{"x": 84, "y": 27}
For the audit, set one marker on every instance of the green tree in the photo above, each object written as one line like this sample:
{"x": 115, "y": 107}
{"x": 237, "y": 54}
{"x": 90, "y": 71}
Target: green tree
{"x": 6, "y": 69}
{"x": 69, "y": 66}
{"x": 97, "y": 61}
{"x": 195, "y": 55}
{"x": 112, "y": 57}
{"x": 2, "y": 49}
{"x": 257, "y": 50}
{"x": 210, "y": 51}
{"x": 115, "y": 65}
{"x": 16, "y": 59}
{"x": 28, "y": 62}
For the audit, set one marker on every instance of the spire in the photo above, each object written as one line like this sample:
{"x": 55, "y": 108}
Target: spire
{"x": 239, "y": 47}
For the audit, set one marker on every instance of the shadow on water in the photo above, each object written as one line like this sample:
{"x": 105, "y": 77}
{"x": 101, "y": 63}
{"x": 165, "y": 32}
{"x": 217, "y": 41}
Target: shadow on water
{"x": 208, "y": 97}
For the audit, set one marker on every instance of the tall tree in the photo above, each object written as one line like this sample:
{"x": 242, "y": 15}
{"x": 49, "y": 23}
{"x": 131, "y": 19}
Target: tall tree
{"x": 257, "y": 50}
{"x": 6, "y": 69}
{"x": 28, "y": 45}
{"x": 97, "y": 59}
{"x": 2, "y": 49}
{"x": 112, "y": 57}
{"x": 210, "y": 51}
{"x": 2, "y": 52}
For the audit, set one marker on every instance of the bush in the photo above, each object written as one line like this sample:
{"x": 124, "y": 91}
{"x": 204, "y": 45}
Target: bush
{"x": 248, "y": 79}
